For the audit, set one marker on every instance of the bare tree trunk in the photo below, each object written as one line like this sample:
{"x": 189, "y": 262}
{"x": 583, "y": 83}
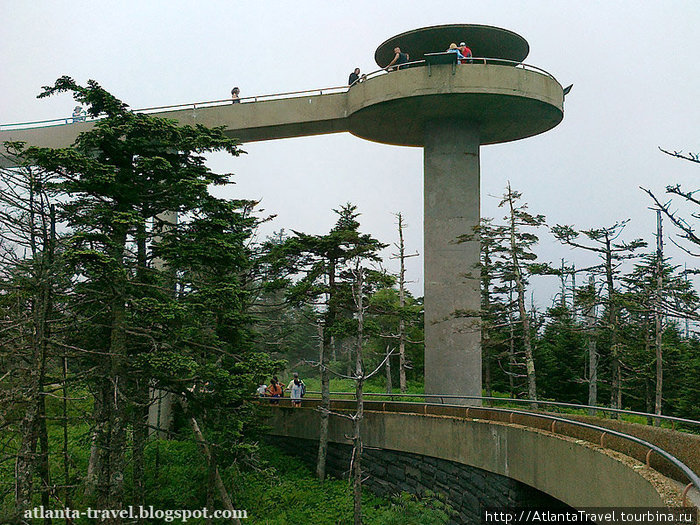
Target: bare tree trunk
{"x": 211, "y": 461}
{"x": 403, "y": 385}
{"x": 615, "y": 366}
{"x": 485, "y": 330}
{"x": 658, "y": 398}
{"x": 324, "y": 361}
{"x": 104, "y": 419}
{"x": 402, "y": 305}
{"x": 66, "y": 461}
{"x": 211, "y": 483}
{"x": 592, "y": 349}
{"x": 33, "y": 431}
{"x": 44, "y": 469}
{"x": 562, "y": 278}
{"x": 42, "y": 331}
{"x": 387, "y": 366}
{"x": 26, "y": 462}
{"x": 524, "y": 317}
{"x": 324, "y": 408}
{"x": 511, "y": 346}
{"x": 140, "y": 434}
{"x": 94, "y": 469}
{"x": 648, "y": 388}
{"x": 574, "y": 305}
{"x": 403, "y": 362}
{"x": 357, "y": 454}
{"x": 359, "y": 412}
{"x": 117, "y": 436}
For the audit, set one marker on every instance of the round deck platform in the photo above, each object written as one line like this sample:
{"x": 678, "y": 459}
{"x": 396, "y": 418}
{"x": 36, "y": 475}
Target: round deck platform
{"x": 505, "y": 102}
{"x": 484, "y": 41}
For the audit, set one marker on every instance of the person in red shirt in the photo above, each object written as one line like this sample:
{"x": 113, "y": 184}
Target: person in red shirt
{"x": 466, "y": 53}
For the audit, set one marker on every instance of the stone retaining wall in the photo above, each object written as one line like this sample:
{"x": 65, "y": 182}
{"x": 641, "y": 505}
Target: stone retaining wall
{"x": 466, "y": 489}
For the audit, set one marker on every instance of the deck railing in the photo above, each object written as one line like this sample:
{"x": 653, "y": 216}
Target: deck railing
{"x": 271, "y": 96}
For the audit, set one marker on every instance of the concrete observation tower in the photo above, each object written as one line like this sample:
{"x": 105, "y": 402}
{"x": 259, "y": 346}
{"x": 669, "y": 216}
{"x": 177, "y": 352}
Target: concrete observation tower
{"x": 449, "y": 110}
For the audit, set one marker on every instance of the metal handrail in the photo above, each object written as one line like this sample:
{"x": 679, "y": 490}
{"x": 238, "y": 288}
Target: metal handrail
{"x": 525, "y": 401}
{"x": 267, "y": 97}
{"x": 689, "y": 473}
{"x": 685, "y": 469}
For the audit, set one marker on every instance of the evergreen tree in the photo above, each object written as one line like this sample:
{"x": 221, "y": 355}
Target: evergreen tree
{"x": 178, "y": 324}
{"x": 321, "y": 264}
{"x": 642, "y": 304}
{"x": 506, "y": 263}
{"x": 386, "y": 312}
{"x": 32, "y": 283}
{"x": 519, "y": 264}
{"x": 604, "y": 242}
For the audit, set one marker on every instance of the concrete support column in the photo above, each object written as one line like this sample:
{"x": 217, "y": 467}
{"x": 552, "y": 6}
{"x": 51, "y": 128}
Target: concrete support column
{"x": 452, "y": 297}
{"x": 161, "y": 402}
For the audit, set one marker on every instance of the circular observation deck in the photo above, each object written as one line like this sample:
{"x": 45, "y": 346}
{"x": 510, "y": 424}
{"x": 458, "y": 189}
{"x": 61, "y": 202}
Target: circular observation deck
{"x": 484, "y": 41}
{"x": 503, "y": 98}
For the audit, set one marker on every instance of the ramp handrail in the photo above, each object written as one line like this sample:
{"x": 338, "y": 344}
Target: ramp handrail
{"x": 691, "y": 476}
{"x": 267, "y": 97}
{"x": 442, "y": 397}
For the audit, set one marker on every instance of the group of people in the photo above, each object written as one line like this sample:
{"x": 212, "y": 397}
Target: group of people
{"x": 464, "y": 56}
{"x": 399, "y": 59}
{"x": 275, "y": 390}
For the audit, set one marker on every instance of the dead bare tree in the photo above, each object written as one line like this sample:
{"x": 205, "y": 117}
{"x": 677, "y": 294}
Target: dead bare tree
{"x": 658, "y": 332}
{"x": 358, "y": 297}
{"x": 402, "y": 256}
{"x": 519, "y": 243}
{"x": 29, "y": 278}
{"x": 604, "y": 242}
{"x": 692, "y": 157}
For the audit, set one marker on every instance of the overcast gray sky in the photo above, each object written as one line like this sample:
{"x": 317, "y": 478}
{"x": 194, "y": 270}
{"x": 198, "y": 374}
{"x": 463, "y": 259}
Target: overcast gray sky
{"x": 634, "y": 66}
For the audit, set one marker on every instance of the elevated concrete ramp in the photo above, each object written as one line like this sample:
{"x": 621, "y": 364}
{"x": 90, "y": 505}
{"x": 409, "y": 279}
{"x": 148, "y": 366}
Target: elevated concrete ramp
{"x": 250, "y": 122}
{"x": 507, "y": 103}
{"x": 573, "y": 471}
{"x": 272, "y": 119}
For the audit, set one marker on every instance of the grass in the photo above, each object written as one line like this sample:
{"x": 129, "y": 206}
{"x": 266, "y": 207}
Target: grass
{"x": 282, "y": 490}
{"x": 286, "y": 492}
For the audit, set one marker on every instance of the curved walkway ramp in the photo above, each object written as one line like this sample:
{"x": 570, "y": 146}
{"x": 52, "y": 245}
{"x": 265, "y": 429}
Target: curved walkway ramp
{"x": 511, "y": 101}
{"x": 564, "y": 461}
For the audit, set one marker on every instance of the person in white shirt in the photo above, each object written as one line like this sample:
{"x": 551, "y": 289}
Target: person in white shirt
{"x": 297, "y": 390}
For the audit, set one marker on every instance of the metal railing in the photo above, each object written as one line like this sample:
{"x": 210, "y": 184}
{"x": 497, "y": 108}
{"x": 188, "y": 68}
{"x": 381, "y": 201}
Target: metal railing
{"x": 272, "y": 96}
{"x": 691, "y": 476}
{"x": 442, "y": 397}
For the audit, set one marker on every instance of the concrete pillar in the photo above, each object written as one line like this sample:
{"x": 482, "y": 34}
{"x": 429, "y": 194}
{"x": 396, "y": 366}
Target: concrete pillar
{"x": 161, "y": 402}
{"x": 452, "y": 298}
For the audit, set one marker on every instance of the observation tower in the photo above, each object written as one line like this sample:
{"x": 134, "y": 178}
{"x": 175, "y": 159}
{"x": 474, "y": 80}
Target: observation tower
{"x": 449, "y": 110}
